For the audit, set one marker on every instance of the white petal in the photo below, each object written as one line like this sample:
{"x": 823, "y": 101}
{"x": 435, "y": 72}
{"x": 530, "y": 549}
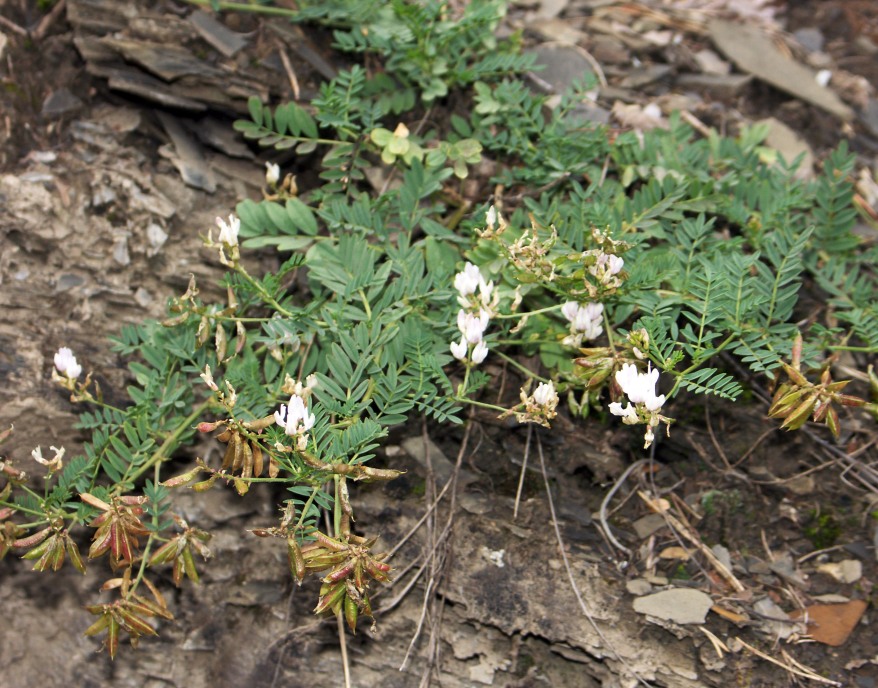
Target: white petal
{"x": 458, "y": 349}
{"x": 480, "y": 352}
{"x": 570, "y": 309}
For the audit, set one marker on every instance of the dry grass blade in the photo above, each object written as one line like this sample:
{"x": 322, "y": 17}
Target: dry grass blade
{"x": 692, "y": 537}
{"x": 791, "y": 667}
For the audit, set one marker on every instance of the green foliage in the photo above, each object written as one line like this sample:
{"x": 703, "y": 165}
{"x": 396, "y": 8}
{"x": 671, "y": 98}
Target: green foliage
{"x": 720, "y": 251}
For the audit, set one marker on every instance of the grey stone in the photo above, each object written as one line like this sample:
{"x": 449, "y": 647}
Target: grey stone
{"x": 59, "y": 103}
{"x": 811, "y": 39}
{"x": 680, "y": 605}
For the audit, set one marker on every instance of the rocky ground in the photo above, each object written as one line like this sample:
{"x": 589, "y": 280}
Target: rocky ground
{"x": 115, "y": 156}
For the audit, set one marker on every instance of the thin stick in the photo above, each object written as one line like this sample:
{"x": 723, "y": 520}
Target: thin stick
{"x": 12, "y": 26}
{"x": 343, "y": 644}
{"x": 291, "y": 73}
{"x": 806, "y": 673}
{"x": 523, "y": 471}
{"x": 675, "y": 523}
{"x": 602, "y": 514}
{"x": 572, "y": 580}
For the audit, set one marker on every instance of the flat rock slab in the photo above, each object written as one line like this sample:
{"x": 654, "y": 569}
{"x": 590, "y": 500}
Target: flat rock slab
{"x": 680, "y": 605}
{"x": 753, "y": 51}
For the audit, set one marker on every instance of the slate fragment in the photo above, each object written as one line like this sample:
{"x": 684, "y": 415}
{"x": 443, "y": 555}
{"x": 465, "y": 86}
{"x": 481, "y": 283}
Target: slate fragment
{"x": 754, "y": 52}
{"x": 222, "y": 38}
{"x": 680, "y": 605}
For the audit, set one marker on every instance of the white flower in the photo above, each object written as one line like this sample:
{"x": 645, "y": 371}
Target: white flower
{"x": 53, "y": 464}
{"x": 472, "y": 326}
{"x": 545, "y": 395}
{"x": 272, "y": 173}
{"x": 626, "y": 413}
{"x": 491, "y": 217}
{"x": 614, "y": 264}
{"x": 66, "y": 363}
{"x": 294, "y": 417}
{"x": 459, "y": 349}
{"x": 585, "y": 319}
{"x": 229, "y": 232}
{"x": 480, "y": 352}
{"x": 640, "y": 387}
{"x": 467, "y": 281}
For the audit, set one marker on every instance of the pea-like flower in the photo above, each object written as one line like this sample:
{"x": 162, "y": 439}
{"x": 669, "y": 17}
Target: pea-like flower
{"x": 229, "y": 232}
{"x": 477, "y": 300}
{"x": 272, "y": 173}
{"x": 472, "y": 326}
{"x": 539, "y": 407}
{"x": 66, "y": 363}
{"x": 545, "y": 395}
{"x": 640, "y": 387}
{"x": 606, "y": 268}
{"x": 644, "y": 405}
{"x": 294, "y": 418}
{"x": 585, "y": 321}
{"x": 53, "y": 464}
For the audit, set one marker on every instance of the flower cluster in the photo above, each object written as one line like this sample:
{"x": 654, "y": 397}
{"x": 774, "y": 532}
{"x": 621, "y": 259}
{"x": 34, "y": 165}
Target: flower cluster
{"x": 478, "y": 300}
{"x": 293, "y": 416}
{"x": 605, "y": 268}
{"x": 644, "y": 405}
{"x": 538, "y": 407}
{"x": 585, "y": 321}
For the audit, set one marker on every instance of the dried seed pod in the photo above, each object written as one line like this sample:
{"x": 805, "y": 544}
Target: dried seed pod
{"x": 237, "y": 443}
{"x": 247, "y": 460}
{"x": 297, "y": 560}
{"x": 257, "y": 459}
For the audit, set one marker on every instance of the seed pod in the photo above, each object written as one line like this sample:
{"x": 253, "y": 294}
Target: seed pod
{"x": 360, "y": 575}
{"x": 341, "y": 572}
{"x": 38, "y": 551}
{"x": 182, "y": 479}
{"x": 91, "y": 500}
{"x": 273, "y": 466}
{"x": 189, "y": 565}
{"x": 799, "y": 416}
{"x": 134, "y": 624}
{"x": 372, "y": 568}
{"x": 332, "y": 597}
{"x": 350, "y": 612}
{"x": 257, "y": 459}
{"x": 325, "y": 561}
{"x": 297, "y": 560}
{"x": 237, "y": 443}
{"x": 75, "y": 557}
{"x": 34, "y": 539}
{"x": 229, "y": 456}
{"x": 112, "y": 637}
{"x": 205, "y": 485}
{"x": 247, "y": 460}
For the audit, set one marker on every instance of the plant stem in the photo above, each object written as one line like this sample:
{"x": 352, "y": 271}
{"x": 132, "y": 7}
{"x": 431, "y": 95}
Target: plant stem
{"x": 171, "y": 443}
{"x": 245, "y": 7}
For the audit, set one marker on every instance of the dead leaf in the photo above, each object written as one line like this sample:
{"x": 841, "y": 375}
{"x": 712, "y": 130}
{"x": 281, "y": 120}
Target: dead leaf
{"x": 831, "y": 624}
{"x": 674, "y": 553}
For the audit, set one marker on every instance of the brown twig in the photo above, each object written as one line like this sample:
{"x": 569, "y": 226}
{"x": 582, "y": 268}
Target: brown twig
{"x": 692, "y": 537}
{"x": 793, "y": 668}
{"x": 47, "y": 21}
